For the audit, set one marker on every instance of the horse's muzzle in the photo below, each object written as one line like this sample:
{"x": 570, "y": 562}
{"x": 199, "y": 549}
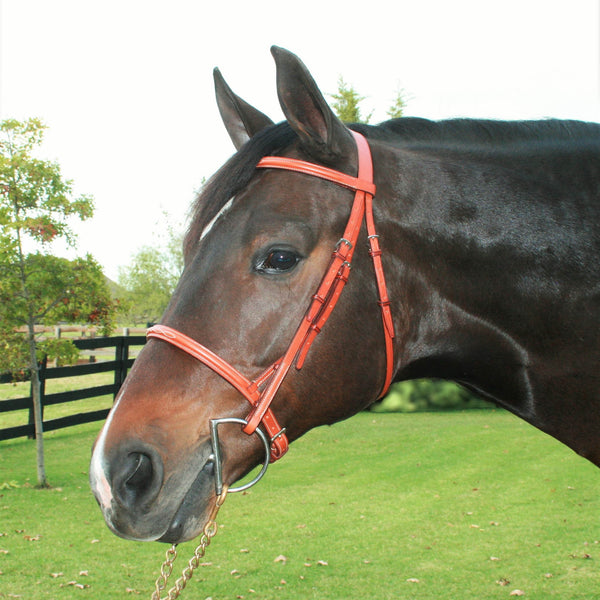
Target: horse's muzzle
{"x": 138, "y": 503}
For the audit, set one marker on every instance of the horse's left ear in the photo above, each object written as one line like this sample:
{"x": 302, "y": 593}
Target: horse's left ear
{"x": 321, "y": 133}
{"x": 241, "y": 119}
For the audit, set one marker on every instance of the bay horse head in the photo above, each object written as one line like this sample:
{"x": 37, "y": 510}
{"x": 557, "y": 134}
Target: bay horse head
{"x": 257, "y": 249}
{"x": 491, "y": 233}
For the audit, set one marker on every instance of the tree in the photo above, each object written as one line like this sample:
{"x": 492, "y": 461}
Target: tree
{"x": 427, "y": 395}
{"x": 149, "y": 282}
{"x": 346, "y": 105}
{"x": 151, "y": 277}
{"x": 396, "y": 110}
{"x": 36, "y": 207}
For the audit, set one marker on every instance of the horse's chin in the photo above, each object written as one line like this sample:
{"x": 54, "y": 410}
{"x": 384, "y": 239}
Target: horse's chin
{"x": 193, "y": 512}
{"x": 183, "y": 530}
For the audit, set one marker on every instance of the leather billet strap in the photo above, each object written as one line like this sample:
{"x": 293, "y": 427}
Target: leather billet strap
{"x": 260, "y": 392}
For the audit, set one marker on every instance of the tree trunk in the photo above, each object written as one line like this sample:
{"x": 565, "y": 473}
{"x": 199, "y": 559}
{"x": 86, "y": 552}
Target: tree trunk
{"x": 42, "y": 481}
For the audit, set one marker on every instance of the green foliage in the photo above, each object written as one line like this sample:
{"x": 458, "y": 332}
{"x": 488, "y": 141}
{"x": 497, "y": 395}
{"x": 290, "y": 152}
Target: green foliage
{"x": 151, "y": 277}
{"x": 61, "y": 350}
{"x": 396, "y": 110}
{"x": 62, "y": 290}
{"x": 14, "y": 355}
{"x": 37, "y": 288}
{"x": 149, "y": 282}
{"x": 57, "y": 290}
{"x": 347, "y": 104}
{"x": 35, "y": 199}
{"x": 425, "y": 395}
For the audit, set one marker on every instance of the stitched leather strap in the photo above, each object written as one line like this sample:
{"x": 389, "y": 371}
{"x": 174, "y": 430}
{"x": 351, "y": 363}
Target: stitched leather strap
{"x": 249, "y": 389}
{"x": 301, "y": 166}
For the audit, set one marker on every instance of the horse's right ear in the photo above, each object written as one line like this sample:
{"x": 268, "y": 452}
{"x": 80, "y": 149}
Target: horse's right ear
{"x": 321, "y": 133}
{"x": 241, "y": 120}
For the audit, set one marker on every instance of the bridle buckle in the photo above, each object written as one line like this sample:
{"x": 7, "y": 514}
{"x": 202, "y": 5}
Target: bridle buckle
{"x": 343, "y": 241}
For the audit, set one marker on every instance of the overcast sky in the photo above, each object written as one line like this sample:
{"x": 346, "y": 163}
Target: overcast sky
{"x": 125, "y": 86}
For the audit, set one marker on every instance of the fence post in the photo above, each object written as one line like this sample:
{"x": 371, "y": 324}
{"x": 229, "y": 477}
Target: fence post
{"x": 121, "y": 357}
{"x": 118, "y": 359}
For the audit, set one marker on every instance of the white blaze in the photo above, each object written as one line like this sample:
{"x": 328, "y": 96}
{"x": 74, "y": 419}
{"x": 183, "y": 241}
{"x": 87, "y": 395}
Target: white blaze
{"x": 98, "y": 478}
{"x": 212, "y": 222}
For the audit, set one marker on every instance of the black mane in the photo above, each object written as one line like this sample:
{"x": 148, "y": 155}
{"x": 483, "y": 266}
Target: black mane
{"x": 414, "y": 131}
{"x": 464, "y": 135}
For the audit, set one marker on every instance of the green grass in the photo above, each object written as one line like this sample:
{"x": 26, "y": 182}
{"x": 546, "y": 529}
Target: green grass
{"x": 457, "y": 501}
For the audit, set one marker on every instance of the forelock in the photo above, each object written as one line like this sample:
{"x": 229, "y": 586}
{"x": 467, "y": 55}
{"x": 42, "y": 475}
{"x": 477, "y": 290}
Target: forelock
{"x": 235, "y": 175}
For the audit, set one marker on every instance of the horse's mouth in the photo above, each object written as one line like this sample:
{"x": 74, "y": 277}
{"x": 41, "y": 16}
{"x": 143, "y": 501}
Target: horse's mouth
{"x": 169, "y": 516}
{"x": 192, "y": 514}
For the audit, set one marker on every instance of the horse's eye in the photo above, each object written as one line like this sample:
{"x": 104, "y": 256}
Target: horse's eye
{"x": 279, "y": 261}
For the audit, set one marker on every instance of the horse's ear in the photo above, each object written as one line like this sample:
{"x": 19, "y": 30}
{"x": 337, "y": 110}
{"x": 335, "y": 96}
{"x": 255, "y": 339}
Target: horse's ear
{"x": 321, "y": 133}
{"x": 241, "y": 120}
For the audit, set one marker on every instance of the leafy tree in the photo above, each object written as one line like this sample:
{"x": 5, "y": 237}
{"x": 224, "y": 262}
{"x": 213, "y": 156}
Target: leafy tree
{"x": 151, "y": 277}
{"x": 396, "y": 110}
{"x": 347, "y": 104}
{"x": 36, "y": 207}
{"x": 149, "y": 283}
{"x": 427, "y": 395}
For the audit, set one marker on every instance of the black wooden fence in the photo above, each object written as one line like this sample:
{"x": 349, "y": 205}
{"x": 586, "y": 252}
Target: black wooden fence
{"x": 119, "y": 366}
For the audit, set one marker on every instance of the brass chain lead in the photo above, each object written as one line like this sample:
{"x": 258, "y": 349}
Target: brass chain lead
{"x": 210, "y": 530}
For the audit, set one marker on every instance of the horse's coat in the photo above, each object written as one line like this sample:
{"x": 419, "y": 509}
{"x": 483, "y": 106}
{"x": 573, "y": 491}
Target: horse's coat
{"x": 491, "y": 235}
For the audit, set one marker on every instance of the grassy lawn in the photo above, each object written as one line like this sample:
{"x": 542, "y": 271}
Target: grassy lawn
{"x": 436, "y": 506}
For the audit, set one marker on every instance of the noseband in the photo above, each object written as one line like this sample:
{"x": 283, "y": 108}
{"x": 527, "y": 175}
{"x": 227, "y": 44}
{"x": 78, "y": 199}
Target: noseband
{"x": 261, "y": 391}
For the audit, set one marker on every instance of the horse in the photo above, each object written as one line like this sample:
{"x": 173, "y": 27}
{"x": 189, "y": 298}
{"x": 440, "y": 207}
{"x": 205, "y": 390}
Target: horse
{"x": 324, "y": 261}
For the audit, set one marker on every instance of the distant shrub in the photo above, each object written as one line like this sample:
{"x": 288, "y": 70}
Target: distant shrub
{"x": 427, "y": 395}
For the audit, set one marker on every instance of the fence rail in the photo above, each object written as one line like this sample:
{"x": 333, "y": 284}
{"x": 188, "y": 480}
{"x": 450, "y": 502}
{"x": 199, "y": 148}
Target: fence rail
{"x": 120, "y": 365}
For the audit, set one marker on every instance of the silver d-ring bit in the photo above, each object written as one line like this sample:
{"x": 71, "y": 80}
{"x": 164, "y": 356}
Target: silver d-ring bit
{"x": 215, "y": 457}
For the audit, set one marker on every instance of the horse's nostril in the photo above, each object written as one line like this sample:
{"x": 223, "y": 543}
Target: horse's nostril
{"x": 138, "y": 479}
{"x": 141, "y": 475}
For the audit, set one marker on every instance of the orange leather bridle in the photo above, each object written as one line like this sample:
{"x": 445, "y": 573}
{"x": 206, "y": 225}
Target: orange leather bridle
{"x": 261, "y": 391}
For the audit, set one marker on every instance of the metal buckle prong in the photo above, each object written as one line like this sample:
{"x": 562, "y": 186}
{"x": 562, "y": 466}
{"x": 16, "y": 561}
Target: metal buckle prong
{"x": 278, "y": 434}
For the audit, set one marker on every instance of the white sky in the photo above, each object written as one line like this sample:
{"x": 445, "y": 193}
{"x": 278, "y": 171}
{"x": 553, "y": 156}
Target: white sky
{"x": 125, "y": 86}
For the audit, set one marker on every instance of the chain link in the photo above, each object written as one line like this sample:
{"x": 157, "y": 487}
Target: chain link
{"x": 166, "y": 569}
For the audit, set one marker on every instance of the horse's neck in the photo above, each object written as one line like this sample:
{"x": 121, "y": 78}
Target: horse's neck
{"x": 501, "y": 269}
